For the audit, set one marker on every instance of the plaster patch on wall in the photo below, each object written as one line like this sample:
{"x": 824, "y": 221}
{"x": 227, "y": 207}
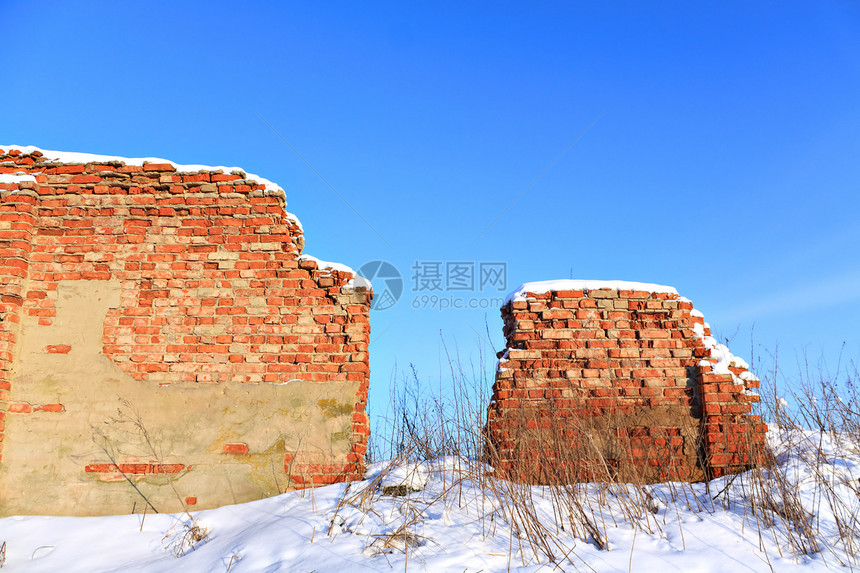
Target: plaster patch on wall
{"x": 179, "y": 418}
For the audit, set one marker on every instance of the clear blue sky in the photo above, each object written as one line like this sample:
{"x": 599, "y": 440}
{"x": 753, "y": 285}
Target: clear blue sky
{"x": 717, "y": 145}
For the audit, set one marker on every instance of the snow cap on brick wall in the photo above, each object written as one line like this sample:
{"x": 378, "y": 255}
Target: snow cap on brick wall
{"x": 15, "y": 178}
{"x": 541, "y": 287}
{"x": 83, "y": 158}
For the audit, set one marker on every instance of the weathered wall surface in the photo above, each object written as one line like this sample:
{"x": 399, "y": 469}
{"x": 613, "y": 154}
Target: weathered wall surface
{"x": 612, "y": 379}
{"x": 133, "y": 290}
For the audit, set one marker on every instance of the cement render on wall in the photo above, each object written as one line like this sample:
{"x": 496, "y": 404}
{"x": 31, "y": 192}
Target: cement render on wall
{"x": 190, "y": 424}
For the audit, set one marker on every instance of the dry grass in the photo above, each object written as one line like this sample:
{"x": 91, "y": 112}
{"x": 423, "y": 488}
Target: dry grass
{"x": 428, "y": 425}
{"x": 187, "y": 533}
{"x": 815, "y": 417}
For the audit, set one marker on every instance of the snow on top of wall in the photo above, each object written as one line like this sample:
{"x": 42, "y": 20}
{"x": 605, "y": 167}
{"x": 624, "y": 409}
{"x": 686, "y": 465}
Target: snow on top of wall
{"x": 724, "y": 357}
{"x": 541, "y": 287}
{"x": 16, "y": 178}
{"x": 327, "y": 265}
{"x": 292, "y": 217}
{"x": 505, "y": 357}
{"x": 357, "y": 280}
{"x": 75, "y": 157}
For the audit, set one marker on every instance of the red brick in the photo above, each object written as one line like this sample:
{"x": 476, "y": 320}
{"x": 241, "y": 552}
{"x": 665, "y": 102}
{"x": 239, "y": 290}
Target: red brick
{"x": 58, "y": 349}
{"x": 158, "y": 167}
{"x": 235, "y": 449}
{"x": 52, "y": 408}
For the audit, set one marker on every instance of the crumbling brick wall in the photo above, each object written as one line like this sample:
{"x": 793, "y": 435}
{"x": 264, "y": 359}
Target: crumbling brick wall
{"x": 617, "y": 380}
{"x": 177, "y": 297}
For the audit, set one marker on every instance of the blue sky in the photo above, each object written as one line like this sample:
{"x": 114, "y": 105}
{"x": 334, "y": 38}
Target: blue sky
{"x": 715, "y": 147}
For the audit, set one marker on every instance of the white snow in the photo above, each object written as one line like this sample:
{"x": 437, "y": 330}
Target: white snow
{"x": 722, "y": 355}
{"x": 503, "y": 360}
{"x": 411, "y": 475}
{"x": 292, "y": 217}
{"x": 722, "y": 358}
{"x": 454, "y": 524}
{"x": 75, "y": 157}
{"x": 15, "y": 178}
{"x": 357, "y": 281}
{"x": 541, "y": 287}
{"x": 327, "y": 265}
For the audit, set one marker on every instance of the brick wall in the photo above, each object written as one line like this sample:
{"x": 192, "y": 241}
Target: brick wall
{"x": 179, "y": 293}
{"x": 614, "y": 380}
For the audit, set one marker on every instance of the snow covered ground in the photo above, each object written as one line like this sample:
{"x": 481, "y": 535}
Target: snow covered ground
{"x": 444, "y": 516}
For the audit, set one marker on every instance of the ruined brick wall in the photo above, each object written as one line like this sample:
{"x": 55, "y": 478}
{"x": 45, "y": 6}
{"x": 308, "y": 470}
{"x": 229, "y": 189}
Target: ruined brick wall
{"x": 133, "y": 289}
{"x": 617, "y": 380}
